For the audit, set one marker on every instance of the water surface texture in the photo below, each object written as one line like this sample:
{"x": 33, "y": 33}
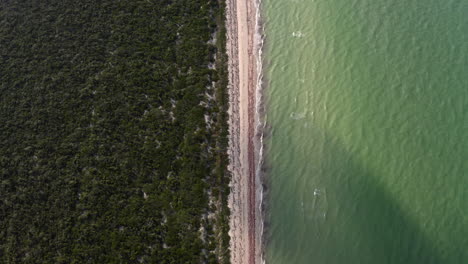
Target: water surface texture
{"x": 367, "y": 150}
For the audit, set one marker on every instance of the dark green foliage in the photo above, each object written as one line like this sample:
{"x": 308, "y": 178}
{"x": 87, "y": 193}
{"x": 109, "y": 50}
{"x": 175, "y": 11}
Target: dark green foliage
{"x": 105, "y": 154}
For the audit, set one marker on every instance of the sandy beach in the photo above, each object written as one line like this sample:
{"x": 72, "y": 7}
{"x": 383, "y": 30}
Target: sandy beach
{"x": 243, "y": 48}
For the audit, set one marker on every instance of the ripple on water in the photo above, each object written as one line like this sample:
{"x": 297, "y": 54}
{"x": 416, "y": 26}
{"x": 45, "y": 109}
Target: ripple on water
{"x": 367, "y": 104}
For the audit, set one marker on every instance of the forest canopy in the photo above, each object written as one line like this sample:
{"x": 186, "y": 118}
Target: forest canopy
{"x": 113, "y": 132}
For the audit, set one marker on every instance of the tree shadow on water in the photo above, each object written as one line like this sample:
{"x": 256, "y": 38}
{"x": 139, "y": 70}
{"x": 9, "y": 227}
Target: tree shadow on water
{"x": 371, "y": 226}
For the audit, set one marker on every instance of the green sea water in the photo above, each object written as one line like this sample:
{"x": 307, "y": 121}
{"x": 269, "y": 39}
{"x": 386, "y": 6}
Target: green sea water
{"x": 367, "y": 141}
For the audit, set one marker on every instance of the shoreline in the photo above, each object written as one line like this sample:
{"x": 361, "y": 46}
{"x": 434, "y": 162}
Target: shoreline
{"x": 243, "y": 48}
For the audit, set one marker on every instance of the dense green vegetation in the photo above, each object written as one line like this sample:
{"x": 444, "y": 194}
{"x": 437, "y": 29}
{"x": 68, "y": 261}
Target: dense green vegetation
{"x": 113, "y": 132}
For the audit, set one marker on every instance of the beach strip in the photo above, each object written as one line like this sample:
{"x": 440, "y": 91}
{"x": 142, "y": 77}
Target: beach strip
{"x": 242, "y": 48}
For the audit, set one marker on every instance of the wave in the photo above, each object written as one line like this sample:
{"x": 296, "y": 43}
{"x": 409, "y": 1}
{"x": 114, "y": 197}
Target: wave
{"x": 260, "y": 119}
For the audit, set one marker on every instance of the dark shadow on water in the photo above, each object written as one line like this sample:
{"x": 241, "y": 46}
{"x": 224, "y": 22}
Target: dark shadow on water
{"x": 377, "y": 229}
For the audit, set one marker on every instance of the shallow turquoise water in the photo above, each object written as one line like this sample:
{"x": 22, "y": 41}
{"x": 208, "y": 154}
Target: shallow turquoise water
{"x": 367, "y": 151}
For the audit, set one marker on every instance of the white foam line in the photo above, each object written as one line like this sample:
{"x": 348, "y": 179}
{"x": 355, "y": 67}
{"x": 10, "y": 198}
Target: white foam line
{"x": 259, "y": 38}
